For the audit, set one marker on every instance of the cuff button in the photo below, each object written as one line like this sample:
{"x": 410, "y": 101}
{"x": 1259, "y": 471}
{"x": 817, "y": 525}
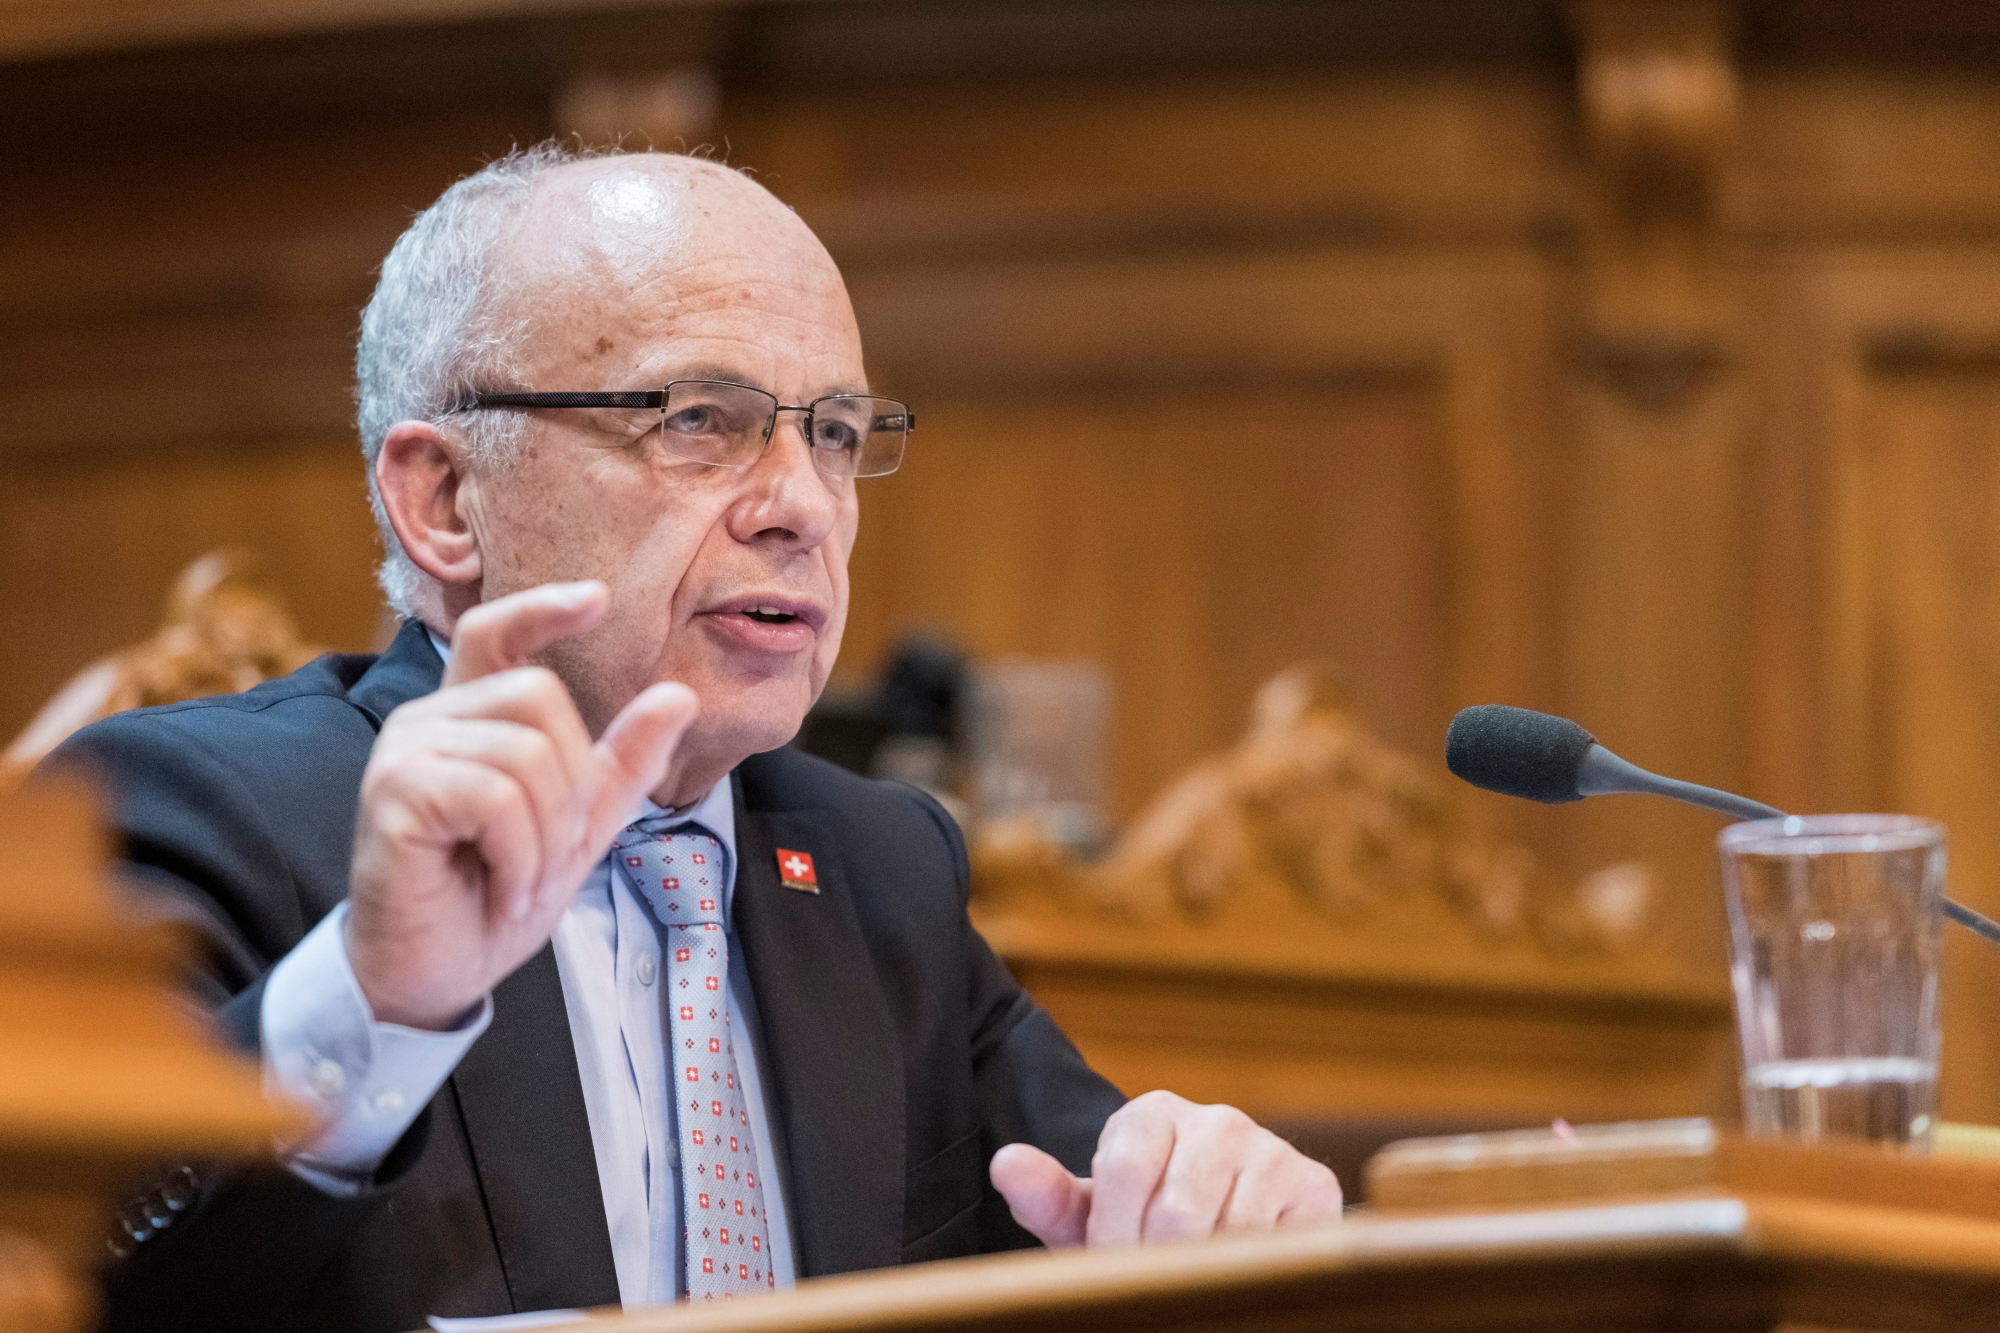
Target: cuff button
{"x": 328, "y": 1079}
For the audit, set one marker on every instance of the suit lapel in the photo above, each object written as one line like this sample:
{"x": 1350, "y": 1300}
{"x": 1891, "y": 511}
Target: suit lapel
{"x": 522, "y": 1100}
{"x": 828, "y": 1040}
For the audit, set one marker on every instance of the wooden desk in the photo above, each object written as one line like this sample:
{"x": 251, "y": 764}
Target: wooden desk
{"x": 1689, "y": 1262}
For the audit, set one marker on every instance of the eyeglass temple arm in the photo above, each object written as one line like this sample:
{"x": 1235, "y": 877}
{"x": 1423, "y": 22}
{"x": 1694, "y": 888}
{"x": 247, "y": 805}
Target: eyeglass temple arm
{"x": 617, "y": 398}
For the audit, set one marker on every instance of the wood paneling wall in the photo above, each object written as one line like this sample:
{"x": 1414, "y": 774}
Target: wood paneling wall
{"x": 178, "y": 333}
{"x": 1236, "y": 357}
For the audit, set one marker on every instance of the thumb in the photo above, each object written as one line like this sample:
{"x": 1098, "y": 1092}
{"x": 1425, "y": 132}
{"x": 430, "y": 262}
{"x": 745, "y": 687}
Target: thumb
{"x": 636, "y": 749}
{"x": 1045, "y": 1198}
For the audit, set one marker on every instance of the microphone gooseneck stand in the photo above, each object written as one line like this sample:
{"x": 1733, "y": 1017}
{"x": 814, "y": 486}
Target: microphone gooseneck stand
{"x": 1535, "y": 755}
{"x": 1605, "y": 774}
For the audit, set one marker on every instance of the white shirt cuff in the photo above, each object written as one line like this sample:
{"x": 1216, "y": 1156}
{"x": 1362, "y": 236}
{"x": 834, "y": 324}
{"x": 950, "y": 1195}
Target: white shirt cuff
{"x": 366, "y": 1081}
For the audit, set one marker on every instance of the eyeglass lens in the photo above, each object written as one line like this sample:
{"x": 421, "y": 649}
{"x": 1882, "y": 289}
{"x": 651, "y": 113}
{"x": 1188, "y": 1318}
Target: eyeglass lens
{"x": 713, "y": 421}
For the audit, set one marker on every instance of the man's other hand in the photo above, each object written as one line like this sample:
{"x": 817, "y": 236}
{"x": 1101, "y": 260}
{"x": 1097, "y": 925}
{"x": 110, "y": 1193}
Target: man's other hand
{"x": 1167, "y": 1169}
{"x": 485, "y": 805}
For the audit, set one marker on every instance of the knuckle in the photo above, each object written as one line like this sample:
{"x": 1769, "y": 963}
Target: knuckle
{"x": 1314, "y": 1195}
{"x": 1223, "y": 1125}
{"x": 1149, "y": 1109}
{"x": 542, "y": 684}
{"x": 1174, "y": 1219}
{"x": 475, "y": 625}
{"x": 1225, "y": 1120}
{"x": 539, "y": 689}
{"x": 385, "y": 784}
{"x": 393, "y": 821}
{"x": 1117, "y": 1158}
{"x": 495, "y": 794}
{"x": 533, "y": 749}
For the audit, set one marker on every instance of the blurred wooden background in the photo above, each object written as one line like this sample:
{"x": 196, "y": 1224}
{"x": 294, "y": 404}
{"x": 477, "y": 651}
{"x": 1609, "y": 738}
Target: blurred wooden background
{"x": 1637, "y": 361}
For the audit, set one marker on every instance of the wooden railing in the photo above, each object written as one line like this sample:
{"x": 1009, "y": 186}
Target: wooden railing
{"x": 104, "y": 1076}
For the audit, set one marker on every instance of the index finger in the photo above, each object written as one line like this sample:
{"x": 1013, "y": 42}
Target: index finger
{"x": 508, "y": 631}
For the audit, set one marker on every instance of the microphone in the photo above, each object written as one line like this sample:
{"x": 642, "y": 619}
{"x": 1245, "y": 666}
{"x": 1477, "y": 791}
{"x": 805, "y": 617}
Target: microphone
{"x": 1519, "y": 752}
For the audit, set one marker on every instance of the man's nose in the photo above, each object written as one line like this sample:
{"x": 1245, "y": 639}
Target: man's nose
{"x": 785, "y": 499}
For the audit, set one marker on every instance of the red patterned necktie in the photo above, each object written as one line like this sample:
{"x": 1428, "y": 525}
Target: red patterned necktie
{"x": 725, "y": 1245}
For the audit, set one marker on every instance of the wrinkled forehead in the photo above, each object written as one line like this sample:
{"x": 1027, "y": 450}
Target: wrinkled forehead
{"x": 659, "y": 228}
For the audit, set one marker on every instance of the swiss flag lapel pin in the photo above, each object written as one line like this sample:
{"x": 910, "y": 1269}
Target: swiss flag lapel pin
{"x": 795, "y": 871}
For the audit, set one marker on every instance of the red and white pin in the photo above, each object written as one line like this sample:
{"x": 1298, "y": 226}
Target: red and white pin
{"x": 795, "y": 871}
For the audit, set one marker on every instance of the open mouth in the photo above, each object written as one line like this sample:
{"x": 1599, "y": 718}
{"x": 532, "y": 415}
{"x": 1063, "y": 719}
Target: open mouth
{"x": 769, "y": 621}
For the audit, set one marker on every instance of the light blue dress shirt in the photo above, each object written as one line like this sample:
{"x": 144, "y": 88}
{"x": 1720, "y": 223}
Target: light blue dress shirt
{"x": 324, "y": 1048}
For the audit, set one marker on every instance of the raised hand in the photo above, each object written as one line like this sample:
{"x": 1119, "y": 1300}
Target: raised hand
{"x": 1167, "y": 1169}
{"x": 485, "y": 805}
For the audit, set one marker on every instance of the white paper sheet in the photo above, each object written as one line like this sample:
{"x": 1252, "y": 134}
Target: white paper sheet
{"x": 493, "y": 1323}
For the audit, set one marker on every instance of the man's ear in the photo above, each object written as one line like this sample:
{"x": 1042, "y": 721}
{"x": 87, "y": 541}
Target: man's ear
{"x": 420, "y": 475}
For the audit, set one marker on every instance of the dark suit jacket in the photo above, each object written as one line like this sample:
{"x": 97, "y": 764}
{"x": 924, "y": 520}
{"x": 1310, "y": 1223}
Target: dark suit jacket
{"x": 900, "y": 1053}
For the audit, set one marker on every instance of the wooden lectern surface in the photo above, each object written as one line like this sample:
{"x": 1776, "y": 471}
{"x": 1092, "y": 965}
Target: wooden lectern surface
{"x": 1694, "y": 1261}
{"x": 104, "y": 1074}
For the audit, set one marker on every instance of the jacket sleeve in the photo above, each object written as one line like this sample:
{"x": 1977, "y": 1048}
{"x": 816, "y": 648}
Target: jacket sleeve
{"x": 198, "y": 846}
{"x": 1033, "y": 1084}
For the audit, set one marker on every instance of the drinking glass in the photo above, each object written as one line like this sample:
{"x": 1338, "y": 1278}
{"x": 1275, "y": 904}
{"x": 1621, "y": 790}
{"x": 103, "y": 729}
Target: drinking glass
{"x": 1038, "y": 732}
{"x": 1834, "y": 924}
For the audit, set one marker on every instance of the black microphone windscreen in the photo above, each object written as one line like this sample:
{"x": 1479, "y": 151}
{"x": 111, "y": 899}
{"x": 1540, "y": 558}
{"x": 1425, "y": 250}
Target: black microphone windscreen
{"x": 1517, "y": 751}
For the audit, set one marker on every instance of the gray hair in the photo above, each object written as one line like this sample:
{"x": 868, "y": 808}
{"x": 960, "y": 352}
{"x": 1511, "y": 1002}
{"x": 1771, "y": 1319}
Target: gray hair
{"x": 433, "y": 330}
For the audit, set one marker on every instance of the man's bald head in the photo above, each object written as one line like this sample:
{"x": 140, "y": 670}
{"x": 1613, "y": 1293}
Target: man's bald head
{"x": 629, "y": 215}
{"x": 469, "y": 292}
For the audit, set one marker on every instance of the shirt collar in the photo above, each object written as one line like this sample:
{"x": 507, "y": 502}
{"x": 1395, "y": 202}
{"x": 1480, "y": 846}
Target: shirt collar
{"x": 715, "y": 812}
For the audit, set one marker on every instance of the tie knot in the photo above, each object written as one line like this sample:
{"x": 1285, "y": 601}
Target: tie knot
{"x": 679, "y": 873}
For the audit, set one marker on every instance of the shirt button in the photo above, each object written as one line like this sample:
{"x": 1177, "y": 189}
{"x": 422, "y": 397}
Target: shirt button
{"x": 328, "y": 1078}
{"x": 389, "y": 1102}
{"x": 644, "y": 969}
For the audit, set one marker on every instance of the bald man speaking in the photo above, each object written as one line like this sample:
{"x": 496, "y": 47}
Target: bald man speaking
{"x": 599, "y": 993}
